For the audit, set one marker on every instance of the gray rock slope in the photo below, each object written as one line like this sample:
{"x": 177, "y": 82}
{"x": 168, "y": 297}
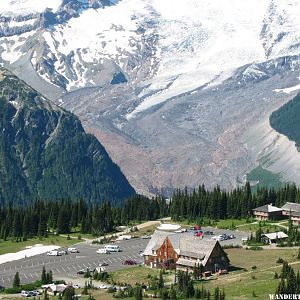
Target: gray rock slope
{"x": 180, "y": 93}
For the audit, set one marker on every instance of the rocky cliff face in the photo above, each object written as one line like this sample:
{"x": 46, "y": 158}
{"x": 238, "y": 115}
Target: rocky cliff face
{"x": 180, "y": 85}
{"x": 45, "y": 153}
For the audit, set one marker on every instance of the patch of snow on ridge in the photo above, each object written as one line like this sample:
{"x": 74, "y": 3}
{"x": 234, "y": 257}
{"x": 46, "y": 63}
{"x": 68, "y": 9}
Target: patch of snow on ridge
{"x": 35, "y": 250}
{"x": 105, "y": 31}
{"x": 18, "y": 7}
{"x": 288, "y": 90}
{"x": 12, "y": 46}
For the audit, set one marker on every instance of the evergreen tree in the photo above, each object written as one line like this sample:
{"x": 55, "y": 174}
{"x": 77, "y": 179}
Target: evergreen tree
{"x": 172, "y": 293}
{"x": 138, "y": 293}
{"x": 44, "y": 276}
{"x": 291, "y": 282}
{"x": 161, "y": 280}
{"x": 164, "y": 294}
{"x": 281, "y": 287}
{"x": 16, "y": 281}
{"x": 49, "y": 277}
{"x": 198, "y": 271}
{"x": 69, "y": 293}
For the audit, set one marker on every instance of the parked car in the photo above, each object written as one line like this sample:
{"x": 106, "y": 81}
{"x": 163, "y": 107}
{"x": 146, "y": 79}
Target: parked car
{"x": 29, "y": 293}
{"x": 199, "y": 234}
{"x": 76, "y": 286}
{"x": 145, "y": 237}
{"x": 208, "y": 233}
{"x": 25, "y": 294}
{"x": 232, "y": 236}
{"x": 103, "y": 286}
{"x": 53, "y": 253}
{"x": 73, "y": 250}
{"x": 37, "y": 292}
{"x": 130, "y": 262}
{"x": 83, "y": 271}
{"x": 218, "y": 238}
{"x": 103, "y": 264}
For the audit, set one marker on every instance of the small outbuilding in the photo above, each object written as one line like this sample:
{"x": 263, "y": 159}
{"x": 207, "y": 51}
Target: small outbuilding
{"x": 274, "y": 237}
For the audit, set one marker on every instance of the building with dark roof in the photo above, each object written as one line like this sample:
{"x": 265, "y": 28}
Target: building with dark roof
{"x": 290, "y": 208}
{"x": 181, "y": 251}
{"x": 267, "y": 212}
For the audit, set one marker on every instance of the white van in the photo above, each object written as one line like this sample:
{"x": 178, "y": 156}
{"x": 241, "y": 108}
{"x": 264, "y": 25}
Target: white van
{"x": 103, "y": 251}
{"x": 112, "y": 248}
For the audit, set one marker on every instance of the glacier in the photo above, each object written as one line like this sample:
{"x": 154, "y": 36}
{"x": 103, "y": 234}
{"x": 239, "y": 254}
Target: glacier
{"x": 201, "y": 76}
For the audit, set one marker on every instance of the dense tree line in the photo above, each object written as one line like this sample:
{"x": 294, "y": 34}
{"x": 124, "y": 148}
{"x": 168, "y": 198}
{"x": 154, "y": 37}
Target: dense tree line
{"x": 222, "y": 204}
{"x": 286, "y": 120}
{"x": 43, "y": 217}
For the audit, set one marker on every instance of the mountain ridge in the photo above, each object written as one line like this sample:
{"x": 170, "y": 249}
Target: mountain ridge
{"x": 182, "y": 65}
{"x": 45, "y": 152}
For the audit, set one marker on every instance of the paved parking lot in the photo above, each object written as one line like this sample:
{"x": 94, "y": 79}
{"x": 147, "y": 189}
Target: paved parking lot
{"x": 30, "y": 269}
{"x": 235, "y": 241}
{"x": 66, "y": 266}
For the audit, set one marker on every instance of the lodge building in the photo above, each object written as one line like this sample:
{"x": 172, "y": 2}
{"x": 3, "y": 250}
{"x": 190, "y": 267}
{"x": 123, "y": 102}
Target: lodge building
{"x": 270, "y": 212}
{"x": 168, "y": 250}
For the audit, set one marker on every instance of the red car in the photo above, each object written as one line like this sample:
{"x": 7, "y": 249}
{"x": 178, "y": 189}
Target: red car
{"x": 199, "y": 234}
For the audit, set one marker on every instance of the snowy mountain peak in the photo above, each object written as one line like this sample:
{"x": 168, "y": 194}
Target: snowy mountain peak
{"x": 23, "y": 7}
{"x": 150, "y": 60}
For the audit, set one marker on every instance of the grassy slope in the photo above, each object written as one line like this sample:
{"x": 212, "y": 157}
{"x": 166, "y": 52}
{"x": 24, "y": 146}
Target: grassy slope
{"x": 240, "y": 284}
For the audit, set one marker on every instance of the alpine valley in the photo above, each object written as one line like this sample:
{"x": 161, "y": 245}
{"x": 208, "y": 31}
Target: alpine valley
{"x": 179, "y": 92}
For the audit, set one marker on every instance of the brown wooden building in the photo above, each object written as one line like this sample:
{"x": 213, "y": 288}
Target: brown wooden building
{"x": 295, "y": 217}
{"x": 180, "y": 251}
{"x": 290, "y": 208}
{"x": 267, "y": 212}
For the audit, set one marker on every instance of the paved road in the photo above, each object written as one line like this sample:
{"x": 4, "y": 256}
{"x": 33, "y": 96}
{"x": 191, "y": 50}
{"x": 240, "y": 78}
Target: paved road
{"x": 67, "y": 265}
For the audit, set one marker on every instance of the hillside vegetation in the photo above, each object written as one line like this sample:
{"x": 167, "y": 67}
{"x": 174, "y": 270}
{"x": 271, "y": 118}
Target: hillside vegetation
{"x": 286, "y": 120}
{"x": 45, "y": 153}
